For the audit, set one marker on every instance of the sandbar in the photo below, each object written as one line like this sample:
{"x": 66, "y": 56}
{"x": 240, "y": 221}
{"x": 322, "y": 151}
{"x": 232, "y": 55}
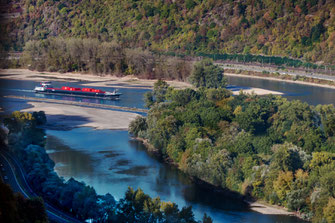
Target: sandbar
{"x": 270, "y": 209}
{"x": 70, "y": 116}
{"x": 128, "y": 81}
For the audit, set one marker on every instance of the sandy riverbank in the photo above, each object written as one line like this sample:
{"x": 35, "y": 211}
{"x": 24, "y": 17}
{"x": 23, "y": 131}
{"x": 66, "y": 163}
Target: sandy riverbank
{"x": 70, "y": 116}
{"x": 281, "y": 80}
{"x": 97, "y": 81}
{"x": 268, "y": 209}
{"x": 258, "y": 91}
{"x": 106, "y": 81}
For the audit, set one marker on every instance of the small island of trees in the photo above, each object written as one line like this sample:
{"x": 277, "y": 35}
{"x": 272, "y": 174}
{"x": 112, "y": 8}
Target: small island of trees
{"x": 266, "y": 148}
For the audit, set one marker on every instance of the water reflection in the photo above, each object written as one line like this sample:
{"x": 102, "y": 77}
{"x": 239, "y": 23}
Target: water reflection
{"x": 110, "y": 162}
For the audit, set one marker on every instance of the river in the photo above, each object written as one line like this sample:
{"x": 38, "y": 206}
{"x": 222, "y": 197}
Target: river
{"x": 110, "y": 161}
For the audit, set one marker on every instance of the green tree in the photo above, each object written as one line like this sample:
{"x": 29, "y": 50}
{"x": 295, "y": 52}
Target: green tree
{"x": 286, "y": 157}
{"x": 206, "y": 74}
{"x": 149, "y": 99}
{"x": 206, "y": 219}
{"x": 160, "y": 90}
{"x": 137, "y": 125}
{"x": 283, "y": 184}
{"x": 329, "y": 211}
{"x": 16, "y": 208}
{"x": 296, "y": 199}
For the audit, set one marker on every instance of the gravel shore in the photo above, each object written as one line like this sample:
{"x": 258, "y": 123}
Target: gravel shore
{"x": 70, "y": 116}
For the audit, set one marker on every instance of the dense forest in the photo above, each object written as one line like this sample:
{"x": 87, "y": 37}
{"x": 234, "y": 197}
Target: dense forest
{"x": 94, "y": 56}
{"x": 101, "y": 57}
{"x": 299, "y": 29}
{"x": 16, "y": 208}
{"x": 266, "y": 147}
{"x": 26, "y": 140}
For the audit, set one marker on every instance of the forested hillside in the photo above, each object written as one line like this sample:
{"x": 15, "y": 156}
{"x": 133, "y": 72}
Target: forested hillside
{"x": 299, "y": 29}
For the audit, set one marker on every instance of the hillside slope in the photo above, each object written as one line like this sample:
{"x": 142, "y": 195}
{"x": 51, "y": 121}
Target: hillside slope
{"x": 300, "y": 29}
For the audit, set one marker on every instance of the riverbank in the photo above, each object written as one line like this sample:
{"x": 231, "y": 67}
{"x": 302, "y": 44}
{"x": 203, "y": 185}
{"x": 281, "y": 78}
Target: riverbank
{"x": 62, "y": 116}
{"x": 257, "y": 206}
{"x": 264, "y": 208}
{"x": 128, "y": 81}
{"x": 281, "y": 80}
{"x": 109, "y": 81}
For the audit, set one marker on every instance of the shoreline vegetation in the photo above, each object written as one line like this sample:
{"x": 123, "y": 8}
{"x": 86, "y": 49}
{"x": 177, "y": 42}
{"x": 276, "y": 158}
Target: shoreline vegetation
{"x": 102, "y": 58}
{"x": 256, "y": 205}
{"x": 129, "y": 81}
{"x": 266, "y": 148}
{"x": 132, "y": 81}
{"x": 19, "y": 74}
{"x": 26, "y": 140}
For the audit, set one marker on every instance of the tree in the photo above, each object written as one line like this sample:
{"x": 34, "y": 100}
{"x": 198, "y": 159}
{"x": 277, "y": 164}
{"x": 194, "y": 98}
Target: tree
{"x": 158, "y": 95}
{"x": 283, "y": 184}
{"x": 189, "y": 4}
{"x": 320, "y": 159}
{"x": 183, "y": 97}
{"x": 296, "y": 199}
{"x": 170, "y": 211}
{"x": 16, "y": 208}
{"x": 327, "y": 181}
{"x": 206, "y": 74}
{"x": 3, "y": 136}
{"x": 327, "y": 113}
{"x": 149, "y": 99}
{"x": 286, "y": 157}
{"x": 137, "y": 125}
{"x": 160, "y": 90}
{"x": 206, "y": 219}
{"x": 140, "y": 62}
{"x": 40, "y": 117}
{"x": 329, "y": 211}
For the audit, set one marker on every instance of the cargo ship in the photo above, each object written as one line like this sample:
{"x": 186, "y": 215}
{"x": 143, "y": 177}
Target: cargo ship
{"x": 47, "y": 88}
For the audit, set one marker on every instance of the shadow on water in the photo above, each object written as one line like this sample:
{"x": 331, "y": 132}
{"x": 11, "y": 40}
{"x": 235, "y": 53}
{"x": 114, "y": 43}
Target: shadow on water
{"x": 65, "y": 122}
{"x": 11, "y": 104}
{"x": 196, "y": 191}
{"x": 69, "y": 162}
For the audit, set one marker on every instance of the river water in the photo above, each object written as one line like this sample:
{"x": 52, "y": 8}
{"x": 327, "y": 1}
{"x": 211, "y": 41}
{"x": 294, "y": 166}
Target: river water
{"x": 313, "y": 95}
{"x": 110, "y": 161}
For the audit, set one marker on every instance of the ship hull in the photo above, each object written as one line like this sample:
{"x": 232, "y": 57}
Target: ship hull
{"x": 79, "y": 93}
